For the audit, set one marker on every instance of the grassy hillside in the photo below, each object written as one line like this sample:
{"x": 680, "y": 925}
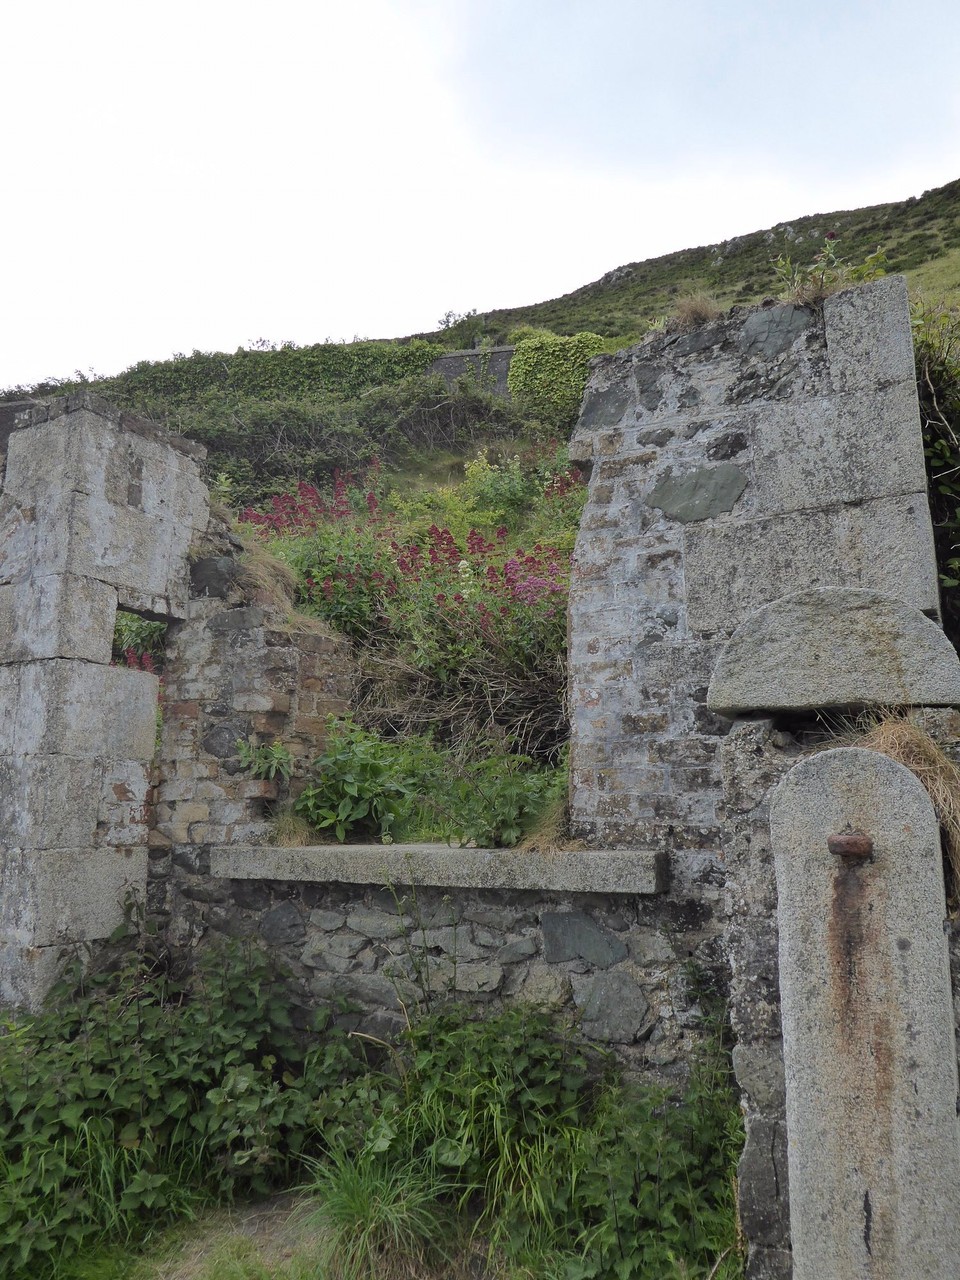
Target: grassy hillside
{"x": 272, "y": 416}
{"x": 921, "y": 238}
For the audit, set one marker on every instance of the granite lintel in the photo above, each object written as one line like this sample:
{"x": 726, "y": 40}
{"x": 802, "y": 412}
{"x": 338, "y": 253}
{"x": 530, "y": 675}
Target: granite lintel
{"x": 614, "y": 871}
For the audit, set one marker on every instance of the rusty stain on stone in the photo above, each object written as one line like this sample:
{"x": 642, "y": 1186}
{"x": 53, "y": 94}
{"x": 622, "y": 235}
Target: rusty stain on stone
{"x": 855, "y": 845}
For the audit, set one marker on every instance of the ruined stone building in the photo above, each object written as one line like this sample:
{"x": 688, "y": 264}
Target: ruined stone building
{"x": 756, "y": 554}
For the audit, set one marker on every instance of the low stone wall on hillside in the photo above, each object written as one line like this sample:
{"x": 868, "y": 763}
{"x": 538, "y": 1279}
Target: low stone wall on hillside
{"x": 488, "y": 368}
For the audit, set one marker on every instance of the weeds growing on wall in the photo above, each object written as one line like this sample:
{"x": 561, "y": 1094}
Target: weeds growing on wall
{"x": 809, "y": 283}
{"x": 367, "y": 787}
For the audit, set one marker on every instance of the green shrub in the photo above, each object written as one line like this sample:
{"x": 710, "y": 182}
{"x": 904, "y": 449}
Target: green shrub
{"x": 936, "y": 336}
{"x": 363, "y": 787}
{"x": 367, "y": 787}
{"x": 569, "y": 1171}
{"x": 142, "y": 1093}
{"x": 548, "y": 374}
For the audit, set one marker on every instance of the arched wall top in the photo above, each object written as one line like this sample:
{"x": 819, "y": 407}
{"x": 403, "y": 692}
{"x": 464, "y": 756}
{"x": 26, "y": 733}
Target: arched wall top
{"x": 835, "y": 647}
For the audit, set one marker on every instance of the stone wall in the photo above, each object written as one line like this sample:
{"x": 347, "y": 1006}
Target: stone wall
{"x": 755, "y": 561}
{"x": 100, "y": 512}
{"x": 639, "y": 964}
{"x": 96, "y": 512}
{"x": 488, "y": 367}
{"x": 770, "y": 451}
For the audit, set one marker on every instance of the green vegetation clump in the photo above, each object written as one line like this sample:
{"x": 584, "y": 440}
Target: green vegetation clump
{"x": 548, "y": 374}
{"x": 144, "y": 1096}
{"x": 455, "y": 599}
{"x": 936, "y": 339}
{"x": 367, "y": 787}
{"x": 146, "y": 1093}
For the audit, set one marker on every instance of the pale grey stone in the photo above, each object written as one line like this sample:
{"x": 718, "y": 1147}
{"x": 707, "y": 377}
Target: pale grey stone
{"x": 375, "y": 924}
{"x": 326, "y": 921}
{"x": 122, "y": 508}
{"x": 612, "y": 1006}
{"x": 699, "y": 494}
{"x": 327, "y": 961}
{"x": 28, "y": 973}
{"x": 49, "y": 802}
{"x": 67, "y": 707}
{"x": 370, "y": 990}
{"x": 546, "y": 986}
{"x": 67, "y": 895}
{"x": 869, "y": 337}
{"x": 343, "y": 944}
{"x": 869, "y": 1044}
{"x": 453, "y": 941}
{"x": 885, "y": 545}
{"x": 571, "y": 935}
{"x": 519, "y": 949}
{"x": 56, "y": 616}
{"x": 590, "y": 871}
{"x": 478, "y": 978}
{"x": 849, "y": 448}
{"x": 758, "y": 1066}
{"x": 835, "y": 647}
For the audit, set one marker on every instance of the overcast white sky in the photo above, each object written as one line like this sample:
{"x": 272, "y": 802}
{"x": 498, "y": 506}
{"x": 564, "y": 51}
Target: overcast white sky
{"x": 203, "y": 173}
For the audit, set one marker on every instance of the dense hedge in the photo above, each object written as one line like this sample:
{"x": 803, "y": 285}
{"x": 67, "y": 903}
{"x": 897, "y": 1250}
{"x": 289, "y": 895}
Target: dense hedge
{"x": 290, "y": 372}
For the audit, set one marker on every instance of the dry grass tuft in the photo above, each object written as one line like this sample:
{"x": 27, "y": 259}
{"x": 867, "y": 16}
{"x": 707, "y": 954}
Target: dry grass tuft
{"x": 905, "y": 741}
{"x": 693, "y": 309}
{"x": 551, "y": 832}
{"x": 289, "y": 830}
{"x": 266, "y": 579}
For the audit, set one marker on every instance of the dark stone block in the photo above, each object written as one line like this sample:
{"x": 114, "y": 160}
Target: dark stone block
{"x": 613, "y": 1008}
{"x": 604, "y": 408}
{"x": 194, "y": 859}
{"x": 251, "y": 895}
{"x": 283, "y": 925}
{"x": 764, "y": 1193}
{"x": 768, "y": 333}
{"x": 221, "y": 740}
{"x": 570, "y": 935}
{"x": 727, "y": 446}
{"x": 700, "y": 494}
{"x": 769, "y": 1264}
{"x": 213, "y": 576}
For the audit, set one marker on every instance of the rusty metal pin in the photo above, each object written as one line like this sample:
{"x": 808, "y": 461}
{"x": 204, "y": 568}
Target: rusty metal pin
{"x": 855, "y": 845}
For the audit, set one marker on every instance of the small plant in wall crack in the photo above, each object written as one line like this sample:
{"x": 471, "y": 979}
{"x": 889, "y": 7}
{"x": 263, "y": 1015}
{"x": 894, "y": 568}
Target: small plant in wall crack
{"x": 828, "y": 273}
{"x": 267, "y": 760}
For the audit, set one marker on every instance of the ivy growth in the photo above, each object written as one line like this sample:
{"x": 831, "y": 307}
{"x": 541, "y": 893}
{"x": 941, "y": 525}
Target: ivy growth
{"x": 548, "y": 374}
